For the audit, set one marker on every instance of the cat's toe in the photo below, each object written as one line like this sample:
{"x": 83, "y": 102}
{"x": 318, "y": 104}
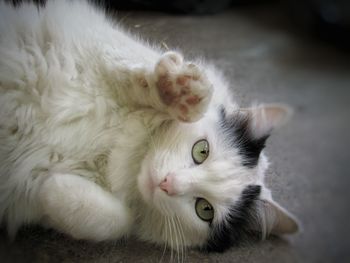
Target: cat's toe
{"x": 170, "y": 61}
{"x": 182, "y": 87}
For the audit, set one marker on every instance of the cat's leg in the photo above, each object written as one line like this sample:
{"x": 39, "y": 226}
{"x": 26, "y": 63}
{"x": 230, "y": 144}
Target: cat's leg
{"x": 82, "y": 209}
{"x": 179, "y": 88}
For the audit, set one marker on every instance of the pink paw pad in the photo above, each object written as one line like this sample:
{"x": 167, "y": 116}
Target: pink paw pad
{"x": 182, "y": 87}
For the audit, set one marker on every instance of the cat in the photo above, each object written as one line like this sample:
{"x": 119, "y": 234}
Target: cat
{"x": 104, "y": 136}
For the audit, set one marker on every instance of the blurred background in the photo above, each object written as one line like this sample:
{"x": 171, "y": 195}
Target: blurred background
{"x": 328, "y": 19}
{"x": 295, "y": 52}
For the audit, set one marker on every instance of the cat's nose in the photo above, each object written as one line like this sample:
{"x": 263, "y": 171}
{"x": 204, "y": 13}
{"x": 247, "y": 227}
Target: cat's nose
{"x": 167, "y": 185}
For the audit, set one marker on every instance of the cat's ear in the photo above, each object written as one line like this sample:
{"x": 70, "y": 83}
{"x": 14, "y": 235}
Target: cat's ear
{"x": 263, "y": 119}
{"x": 276, "y": 220}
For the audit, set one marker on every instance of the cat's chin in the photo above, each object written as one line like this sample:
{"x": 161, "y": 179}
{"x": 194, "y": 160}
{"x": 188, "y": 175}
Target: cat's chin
{"x": 153, "y": 195}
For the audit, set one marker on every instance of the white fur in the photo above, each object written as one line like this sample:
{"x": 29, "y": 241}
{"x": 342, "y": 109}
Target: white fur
{"x": 83, "y": 148}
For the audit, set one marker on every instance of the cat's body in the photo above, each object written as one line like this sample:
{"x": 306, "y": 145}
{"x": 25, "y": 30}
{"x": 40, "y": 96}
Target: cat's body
{"x": 97, "y": 130}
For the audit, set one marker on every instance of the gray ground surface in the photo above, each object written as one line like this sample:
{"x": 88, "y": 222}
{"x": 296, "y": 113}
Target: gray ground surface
{"x": 265, "y": 61}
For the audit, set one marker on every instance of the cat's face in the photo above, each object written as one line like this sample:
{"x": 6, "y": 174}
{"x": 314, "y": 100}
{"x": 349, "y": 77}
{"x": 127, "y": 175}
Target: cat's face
{"x": 199, "y": 180}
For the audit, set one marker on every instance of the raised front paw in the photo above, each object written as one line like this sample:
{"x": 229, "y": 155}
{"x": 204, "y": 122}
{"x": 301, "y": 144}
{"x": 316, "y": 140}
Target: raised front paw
{"x": 182, "y": 87}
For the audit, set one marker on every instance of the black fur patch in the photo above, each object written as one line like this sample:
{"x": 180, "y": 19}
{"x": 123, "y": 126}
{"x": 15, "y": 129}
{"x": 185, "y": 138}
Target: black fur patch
{"x": 236, "y": 224}
{"x": 237, "y": 129}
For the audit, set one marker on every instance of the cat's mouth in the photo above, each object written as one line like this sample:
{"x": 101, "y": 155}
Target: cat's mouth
{"x": 165, "y": 184}
{"x": 150, "y": 185}
{"x": 162, "y": 185}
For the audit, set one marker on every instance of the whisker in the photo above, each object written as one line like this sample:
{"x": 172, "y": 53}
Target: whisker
{"x": 166, "y": 238}
{"x": 171, "y": 239}
{"x": 180, "y": 249}
{"x": 176, "y": 238}
{"x": 183, "y": 241}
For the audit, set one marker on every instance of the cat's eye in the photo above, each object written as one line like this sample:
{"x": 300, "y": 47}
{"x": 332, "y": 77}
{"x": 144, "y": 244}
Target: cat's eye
{"x": 200, "y": 151}
{"x": 204, "y": 210}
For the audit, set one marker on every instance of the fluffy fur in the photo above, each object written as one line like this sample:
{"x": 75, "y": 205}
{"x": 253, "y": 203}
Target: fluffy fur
{"x": 96, "y": 132}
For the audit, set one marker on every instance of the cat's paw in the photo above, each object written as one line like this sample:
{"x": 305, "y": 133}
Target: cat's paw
{"x": 182, "y": 87}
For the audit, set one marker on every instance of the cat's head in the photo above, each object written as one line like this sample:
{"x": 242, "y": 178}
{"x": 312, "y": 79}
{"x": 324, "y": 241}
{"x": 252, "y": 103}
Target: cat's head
{"x": 203, "y": 183}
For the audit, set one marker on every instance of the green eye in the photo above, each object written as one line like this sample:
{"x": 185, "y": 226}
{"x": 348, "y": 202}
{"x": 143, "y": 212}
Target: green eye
{"x": 204, "y": 210}
{"x": 200, "y": 151}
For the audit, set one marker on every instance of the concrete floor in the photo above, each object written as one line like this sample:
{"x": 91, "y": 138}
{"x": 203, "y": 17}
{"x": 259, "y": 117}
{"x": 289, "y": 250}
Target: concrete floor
{"x": 310, "y": 174}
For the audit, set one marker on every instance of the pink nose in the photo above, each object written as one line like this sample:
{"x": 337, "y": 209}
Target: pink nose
{"x": 167, "y": 185}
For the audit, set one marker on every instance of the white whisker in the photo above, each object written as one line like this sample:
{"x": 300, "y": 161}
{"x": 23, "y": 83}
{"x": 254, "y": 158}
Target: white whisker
{"x": 176, "y": 237}
{"x": 180, "y": 249}
{"x": 183, "y": 241}
{"x": 164, "y": 219}
{"x": 171, "y": 238}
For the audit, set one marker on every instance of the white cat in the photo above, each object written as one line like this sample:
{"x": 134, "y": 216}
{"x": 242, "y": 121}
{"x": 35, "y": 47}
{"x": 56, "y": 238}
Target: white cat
{"x": 102, "y": 136}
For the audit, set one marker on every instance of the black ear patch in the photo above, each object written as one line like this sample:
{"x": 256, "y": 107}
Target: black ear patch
{"x": 235, "y": 226}
{"x": 237, "y": 130}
